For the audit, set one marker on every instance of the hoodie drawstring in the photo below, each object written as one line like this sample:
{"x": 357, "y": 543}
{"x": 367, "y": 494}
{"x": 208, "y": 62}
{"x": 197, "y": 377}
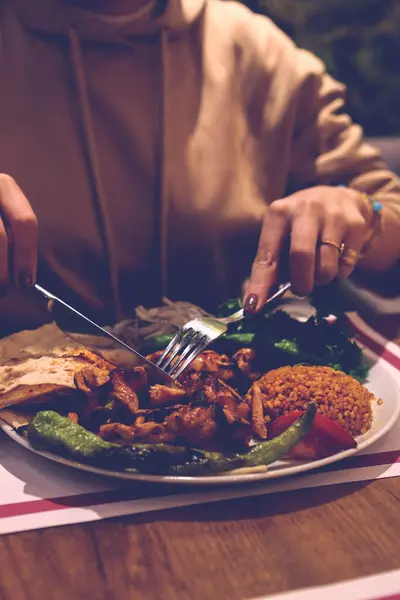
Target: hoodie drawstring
{"x": 164, "y": 196}
{"x": 93, "y": 157}
{"x": 100, "y": 198}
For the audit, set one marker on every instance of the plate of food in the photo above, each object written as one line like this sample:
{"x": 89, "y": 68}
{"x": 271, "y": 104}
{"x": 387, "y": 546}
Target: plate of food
{"x": 276, "y": 396}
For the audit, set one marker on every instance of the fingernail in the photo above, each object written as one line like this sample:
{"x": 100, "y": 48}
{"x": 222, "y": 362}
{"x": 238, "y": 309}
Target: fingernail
{"x": 25, "y": 280}
{"x": 250, "y": 305}
{"x": 3, "y": 290}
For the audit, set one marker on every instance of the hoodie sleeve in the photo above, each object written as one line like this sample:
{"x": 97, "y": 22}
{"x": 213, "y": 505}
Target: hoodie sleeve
{"x": 328, "y": 147}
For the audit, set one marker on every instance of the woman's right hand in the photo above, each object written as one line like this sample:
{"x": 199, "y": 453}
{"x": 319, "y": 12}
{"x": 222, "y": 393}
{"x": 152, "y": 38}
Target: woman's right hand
{"x": 18, "y": 238}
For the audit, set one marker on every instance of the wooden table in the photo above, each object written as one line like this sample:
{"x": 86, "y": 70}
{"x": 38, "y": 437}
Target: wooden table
{"x": 229, "y": 550}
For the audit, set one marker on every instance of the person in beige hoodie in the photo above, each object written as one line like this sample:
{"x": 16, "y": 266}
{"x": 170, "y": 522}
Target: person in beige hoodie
{"x": 149, "y": 148}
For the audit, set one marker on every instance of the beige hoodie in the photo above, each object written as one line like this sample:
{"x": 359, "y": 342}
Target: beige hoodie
{"x": 149, "y": 146}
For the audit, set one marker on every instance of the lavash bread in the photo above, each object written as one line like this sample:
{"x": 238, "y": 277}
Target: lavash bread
{"x": 38, "y": 364}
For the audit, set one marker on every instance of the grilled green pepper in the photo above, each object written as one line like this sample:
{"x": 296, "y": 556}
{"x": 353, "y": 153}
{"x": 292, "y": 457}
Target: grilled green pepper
{"x": 50, "y": 430}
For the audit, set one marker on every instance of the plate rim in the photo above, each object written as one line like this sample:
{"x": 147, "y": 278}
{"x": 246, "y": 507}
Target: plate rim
{"x": 224, "y": 478}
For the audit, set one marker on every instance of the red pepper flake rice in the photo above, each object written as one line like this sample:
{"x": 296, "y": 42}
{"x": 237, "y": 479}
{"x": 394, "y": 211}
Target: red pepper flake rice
{"x": 338, "y": 396}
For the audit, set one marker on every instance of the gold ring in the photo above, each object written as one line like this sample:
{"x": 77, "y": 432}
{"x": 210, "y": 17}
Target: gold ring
{"x": 339, "y": 248}
{"x": 350, "y": 257}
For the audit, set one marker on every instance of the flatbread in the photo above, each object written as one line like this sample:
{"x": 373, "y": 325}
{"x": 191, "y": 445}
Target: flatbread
{"x": 36, "y": 364}
{"x": 15, "y": 420}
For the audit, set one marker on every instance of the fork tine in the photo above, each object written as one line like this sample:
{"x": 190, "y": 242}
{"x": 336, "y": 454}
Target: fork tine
{"x": 195, "y": 352}
{"x": 175, "y": 340}
{"x": 187, "y": 338}
{"x": 192, "y": 343}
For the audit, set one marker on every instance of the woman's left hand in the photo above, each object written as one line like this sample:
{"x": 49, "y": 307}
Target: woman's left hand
{"x": 315, "y": 222}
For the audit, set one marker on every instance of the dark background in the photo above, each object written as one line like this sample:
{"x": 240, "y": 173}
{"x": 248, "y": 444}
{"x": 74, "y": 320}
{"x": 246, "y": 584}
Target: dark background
{"x": 359, "y": 41}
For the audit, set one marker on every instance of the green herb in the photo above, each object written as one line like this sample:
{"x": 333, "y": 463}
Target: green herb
{"x": 288, "y": 346}
{"x": 281, "y": 340}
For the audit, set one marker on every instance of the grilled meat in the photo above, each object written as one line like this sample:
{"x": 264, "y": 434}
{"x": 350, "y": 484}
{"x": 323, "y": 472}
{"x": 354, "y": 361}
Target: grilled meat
{"x": 257, "y": 416}
{"x": 201, "y": 410}
{"x": 137, "y": 379}
{"x": 90, "y": 378}
{"x": 211, "y": 362}
{"x": 163, "y": 394}
{"x": 92, "y": 383}
{"x": 122, "y": 392}
{"x": 245, "y": 359}
{"x": 182, "y": 424}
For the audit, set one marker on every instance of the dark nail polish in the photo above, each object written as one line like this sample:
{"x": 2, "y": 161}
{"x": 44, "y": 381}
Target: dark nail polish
{"x": 250, "y": 306}
{"x": 25, "y": 280}
{"x": 3, "y": 290}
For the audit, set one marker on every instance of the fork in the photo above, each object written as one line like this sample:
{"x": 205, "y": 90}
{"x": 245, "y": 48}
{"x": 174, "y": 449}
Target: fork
{"x": 196, "y": 335}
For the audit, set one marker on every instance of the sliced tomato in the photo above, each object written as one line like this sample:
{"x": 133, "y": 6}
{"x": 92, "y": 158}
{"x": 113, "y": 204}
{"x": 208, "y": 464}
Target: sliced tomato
{"x": 325, "y": 438}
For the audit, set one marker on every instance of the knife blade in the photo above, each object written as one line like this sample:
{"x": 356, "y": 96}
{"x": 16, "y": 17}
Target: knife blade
{"x": 96, "y": 339}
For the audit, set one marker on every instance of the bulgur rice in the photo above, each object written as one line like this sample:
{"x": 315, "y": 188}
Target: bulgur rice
{"x": 337, "y": 395}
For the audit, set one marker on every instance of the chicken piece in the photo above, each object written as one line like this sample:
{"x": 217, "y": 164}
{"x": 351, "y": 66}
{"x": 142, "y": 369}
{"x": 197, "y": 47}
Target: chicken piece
{"x": 245, "y": 359}
{"x": 91, "y": 381}
{"x": 161, "y": 395}
{"x": 90, "y": 378}
{"x": 195, "y": 425}
{"x": 206, "y": 361}
{"x": 211, "y": 362}
{"x": 137, "y": 378}
{"x": 235, "y": 411}
{"x": 225, "y": 368}
{"x": 190, "y": 424}
{"x": 215, "y": 389}
{"x": 142, "y": 432}
{"x": 122, "y": 393}
{"x": 183, "y": 424}
{"x": 152, "y": 432}
{"x": 113, "y": 431}
{"x": 108, "y": 431}
{"x": 209, "y": 389}
{"x": 154, "y": 356}
{"x": 192, "y": 382}
{"x": 257, "y": 416}
{"x": 72, "y": 416}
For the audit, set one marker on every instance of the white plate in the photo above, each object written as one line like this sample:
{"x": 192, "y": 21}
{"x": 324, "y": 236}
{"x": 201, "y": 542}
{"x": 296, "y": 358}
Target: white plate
{"x": 381, "y": 382}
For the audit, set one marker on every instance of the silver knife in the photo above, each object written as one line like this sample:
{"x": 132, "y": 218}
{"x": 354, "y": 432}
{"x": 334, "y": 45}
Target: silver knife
{"x": 98, "y": 340}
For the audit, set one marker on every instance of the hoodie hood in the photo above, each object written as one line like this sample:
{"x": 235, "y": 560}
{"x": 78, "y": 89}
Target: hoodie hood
{"x": 56, "y": 17}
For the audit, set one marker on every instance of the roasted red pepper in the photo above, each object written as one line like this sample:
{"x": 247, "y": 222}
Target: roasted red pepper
{"x": 324, "y": 439}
